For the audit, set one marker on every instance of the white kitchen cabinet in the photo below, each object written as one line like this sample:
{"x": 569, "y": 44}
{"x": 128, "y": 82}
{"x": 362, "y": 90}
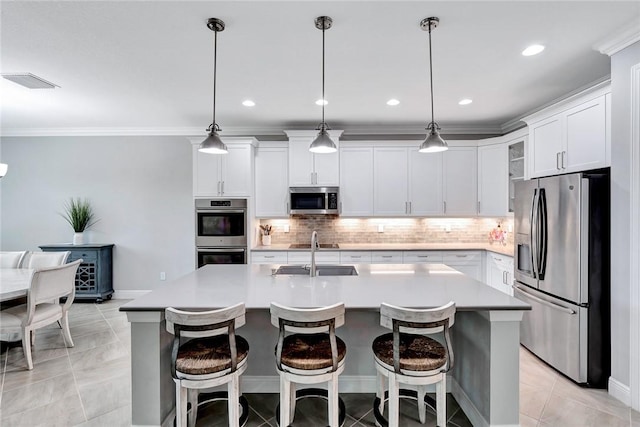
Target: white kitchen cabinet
{"x": 425, "y": 183}
{"x": 307, "y": 169}
{"x": 356, "y": 181}
{"x": 322, "y": 257}
{"x": 224, "y": 175}
{"x": 460, "y": 177}
{"x": 421, "y": 257}
{"x": 467, "y": 262}
{"x": 355, "y": 257}
{"x": 499, "y": 269}
{"x": 493, "y": 180}
{"x": 268, "y": 257}
{"x": 390, "y": 181}
{"x": 571, "y": 136}
{"x": 271, "y": 181}
{"x": 386, "y": 257}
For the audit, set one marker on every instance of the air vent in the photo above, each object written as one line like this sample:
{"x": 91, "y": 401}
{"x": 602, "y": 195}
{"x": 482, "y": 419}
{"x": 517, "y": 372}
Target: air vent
{"x": 30, "y": 81}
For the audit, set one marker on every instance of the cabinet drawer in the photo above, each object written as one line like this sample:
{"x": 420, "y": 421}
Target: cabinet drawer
{"x": 322, "y": 257}
{"x": 87, "y": 256}
{"x": 394, "y": 257}
{"x": 355, "y": 257}
{"x": 464, "y": 257}
{"x": 502, "y": 261}
{"x": 269, "y": 258}
{"x": 421, "y": 257}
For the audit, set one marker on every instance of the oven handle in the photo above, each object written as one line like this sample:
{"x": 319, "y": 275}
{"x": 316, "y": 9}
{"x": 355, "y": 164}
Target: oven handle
{"x": 544, "y": 302}
{"x": 221, "y": 250}
{"x": 221, "y": 211}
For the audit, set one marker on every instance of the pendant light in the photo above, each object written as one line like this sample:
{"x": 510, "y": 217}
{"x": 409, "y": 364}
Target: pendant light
{"x": 323, "y": 142}
{"x": 213, "y": 144}
{"x": 434, "y": 142}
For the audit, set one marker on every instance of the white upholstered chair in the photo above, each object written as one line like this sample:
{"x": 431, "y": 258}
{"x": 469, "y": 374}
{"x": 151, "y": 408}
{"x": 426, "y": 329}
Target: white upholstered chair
{"x": 309, "y": 352}
{"x": 11, "y": 259}
{"x": 37, "y": 260}
{"x": 47, "y": 284}
{"x": 409, "y": 356}
{"x": 214, "y": 355}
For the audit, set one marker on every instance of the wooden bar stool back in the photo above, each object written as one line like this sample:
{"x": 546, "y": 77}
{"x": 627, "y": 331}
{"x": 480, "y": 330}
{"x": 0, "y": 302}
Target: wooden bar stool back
{"x": 212, "y": 356}
{"x": 309, "y": 352}
{"x": 409, "y": 356}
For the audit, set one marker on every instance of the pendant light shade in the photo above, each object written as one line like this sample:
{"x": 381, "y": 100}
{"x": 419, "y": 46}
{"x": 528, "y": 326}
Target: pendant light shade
{"x": 213, "y": 144}
{"x": 434, "y": 142}
{"x": 323, "y": 142}
{"x": 3, "y": 169}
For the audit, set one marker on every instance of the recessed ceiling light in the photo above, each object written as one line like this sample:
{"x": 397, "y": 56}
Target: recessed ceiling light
{"x": 322, "y": 102}
{"x": 465, "y": 101}
{"x": 29, "y": 80}
{"x": 248, "y": 103}
{"x": 393, "y": 102}
{"x": 534, "y": 49}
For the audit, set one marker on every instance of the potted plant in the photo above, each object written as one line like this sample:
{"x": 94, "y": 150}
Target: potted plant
{"x": 79, "y": 214}
{"x": 266, "y": 234}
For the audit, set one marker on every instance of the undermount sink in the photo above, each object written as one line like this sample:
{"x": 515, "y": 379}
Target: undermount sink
{"x": 321, "y": 270}
{"x": 308, "y": 246}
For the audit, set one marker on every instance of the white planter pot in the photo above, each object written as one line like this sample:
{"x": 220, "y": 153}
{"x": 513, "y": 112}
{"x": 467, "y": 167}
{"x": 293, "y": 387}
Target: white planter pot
{"x": 78, "y": 238}
{"x": 266, "y": 240}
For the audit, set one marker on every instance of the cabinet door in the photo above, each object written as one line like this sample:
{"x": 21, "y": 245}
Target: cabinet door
{"x": 300, "y": 162}
{"x": 390, "y": 181}
{"x": 586, "y": 137}
{"x": 493, "y": 180}
{"x": 355, "y": 257}
{"x": 272, "y": 185}
{"x": 206, "y": 174}
{"x": 327, "y": 169}
{"x": 386, "y": 257}
{"x": 460, "y": 166}
{"x": 237, "y": 171}
{"x": 356, "y": 181}
{"x": 425, "y": 183}
{"x": 545, "y": 140}
{"x": 264, "y": 257}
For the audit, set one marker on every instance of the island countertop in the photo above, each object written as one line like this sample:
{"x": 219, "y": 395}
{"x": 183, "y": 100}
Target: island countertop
{"x": 407, "y": 285}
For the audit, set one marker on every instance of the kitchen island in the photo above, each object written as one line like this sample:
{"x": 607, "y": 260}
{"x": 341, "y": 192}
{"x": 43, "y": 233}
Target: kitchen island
{"x": 484, "y": 380}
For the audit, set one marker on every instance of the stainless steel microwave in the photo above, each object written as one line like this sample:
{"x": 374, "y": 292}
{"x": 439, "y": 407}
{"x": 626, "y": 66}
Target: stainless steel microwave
{"x": 314, "y": 201}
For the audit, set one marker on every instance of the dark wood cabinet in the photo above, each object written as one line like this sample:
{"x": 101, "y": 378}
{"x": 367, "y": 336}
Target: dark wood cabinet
{"x": 94, "y": 279}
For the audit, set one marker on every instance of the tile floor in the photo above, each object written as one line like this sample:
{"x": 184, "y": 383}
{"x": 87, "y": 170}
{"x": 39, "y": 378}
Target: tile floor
{"x": 66, "y": 389}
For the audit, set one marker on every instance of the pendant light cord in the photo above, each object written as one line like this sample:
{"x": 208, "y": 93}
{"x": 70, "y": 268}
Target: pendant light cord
{"x": 215, "y": 59}
{"x": 431, "y": 76}
{"x": 323, "y": 100}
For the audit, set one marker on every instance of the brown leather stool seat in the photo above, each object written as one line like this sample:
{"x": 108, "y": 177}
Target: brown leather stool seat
{"x": 417, "y": 352}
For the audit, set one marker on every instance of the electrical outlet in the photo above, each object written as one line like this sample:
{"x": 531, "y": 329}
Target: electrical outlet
{"x": 380, "y": 228}
{"x": 510, "y": 228}
{"x": 447, "y": 228}
{"x": 286, "y": 228}
{"x": 163, "y": 275}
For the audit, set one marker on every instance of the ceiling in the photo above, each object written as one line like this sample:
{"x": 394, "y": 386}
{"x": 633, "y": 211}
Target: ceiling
{"x": 147, "y": 66}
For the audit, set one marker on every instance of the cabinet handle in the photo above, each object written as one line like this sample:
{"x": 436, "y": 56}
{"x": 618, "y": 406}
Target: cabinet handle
{"x": 564, "y": 155}
{"x": 406, "y": 207}
{"x": 269, "y": 256}
{"x": 222, "y": 186}
{"x": 218, "y": 188}
{"x": 445, "y": 206}
{"x": 504, "y": 280}
{"x": 461, "y": 256}
{"x": 423, "y": 256}
{"x": 410, "y": 207}
{"x": 558, "y": 161}
{"x": 354, "y": 256}
{"x": 497, "y": 259}
{"x": 387, "y": 256}
{"x": 340, "y": 208}
{"x": 311, "y": 177}
{"x": 478, "y": 206}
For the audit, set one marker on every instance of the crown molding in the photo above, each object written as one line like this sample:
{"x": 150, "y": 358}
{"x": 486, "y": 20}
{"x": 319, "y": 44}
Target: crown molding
{"x": 625, "y": 37}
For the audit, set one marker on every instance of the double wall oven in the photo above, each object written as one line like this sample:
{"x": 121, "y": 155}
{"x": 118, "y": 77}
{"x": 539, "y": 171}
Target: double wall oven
{"x": 221, "y": 231}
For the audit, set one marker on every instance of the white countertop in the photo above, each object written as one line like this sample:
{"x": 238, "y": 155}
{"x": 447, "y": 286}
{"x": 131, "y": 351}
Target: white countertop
{"x": 407, "y": 285}
{"x": 495, "y": 247}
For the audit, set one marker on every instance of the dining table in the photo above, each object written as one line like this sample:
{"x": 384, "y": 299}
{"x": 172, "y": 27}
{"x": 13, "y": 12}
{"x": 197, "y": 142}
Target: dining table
{"x": 14, "y": 282}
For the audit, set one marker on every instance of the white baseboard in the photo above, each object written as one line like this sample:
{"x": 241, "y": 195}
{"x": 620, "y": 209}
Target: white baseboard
{"x": 465, "y": 403}
{"x": 129, "y": 294}
{"x": 620, "y": 391}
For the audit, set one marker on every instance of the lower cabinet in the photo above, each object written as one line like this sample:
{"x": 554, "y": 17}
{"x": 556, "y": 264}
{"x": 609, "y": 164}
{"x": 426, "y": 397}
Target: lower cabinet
{"x": 322, "y": 257}
{"x": 467, "y": 262}
{"x": 355, "y": 257}
{"x": 268, "y": 257}
{"x": 499, "y": 269}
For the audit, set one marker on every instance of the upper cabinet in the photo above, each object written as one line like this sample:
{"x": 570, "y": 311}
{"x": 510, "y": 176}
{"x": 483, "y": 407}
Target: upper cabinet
{"x": 571, "y": 136}
{"x": 390, "y": 183}
{"x": 460, "y": 181}
{"x": 425, "y": 183}
{"x": 356, "y": 178}
{"x": 224, "y": 175}
{"x": 271, "y": 180}
{"x": 307, "y": 169}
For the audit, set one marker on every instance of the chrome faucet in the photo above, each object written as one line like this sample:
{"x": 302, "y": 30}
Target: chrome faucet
{"x": 314, "y": 246}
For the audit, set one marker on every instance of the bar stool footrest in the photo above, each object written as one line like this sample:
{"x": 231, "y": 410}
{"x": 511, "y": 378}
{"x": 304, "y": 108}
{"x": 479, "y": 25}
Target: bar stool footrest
{"x": 316, "y": 392}
{"x": 404, "y": 394}
{"x": 207, "y": 398}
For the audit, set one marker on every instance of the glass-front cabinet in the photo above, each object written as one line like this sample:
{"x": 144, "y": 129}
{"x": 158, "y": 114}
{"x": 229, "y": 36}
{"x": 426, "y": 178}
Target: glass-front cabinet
{"x": 516, "y": 169}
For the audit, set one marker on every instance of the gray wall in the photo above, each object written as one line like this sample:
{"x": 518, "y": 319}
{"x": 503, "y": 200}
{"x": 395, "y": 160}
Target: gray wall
{"x": 140, "y": 188}
{"x": 621, "y": 64}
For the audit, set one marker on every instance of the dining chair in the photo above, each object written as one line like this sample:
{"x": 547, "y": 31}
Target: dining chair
{"x": 409, "y": 356}
{"x": 37, "y": 260}
{"x": 47, "y": 284}
{"x": 309, "y": 352}
{"x": 207, "y": 353}
{"x": 11, "y": 259}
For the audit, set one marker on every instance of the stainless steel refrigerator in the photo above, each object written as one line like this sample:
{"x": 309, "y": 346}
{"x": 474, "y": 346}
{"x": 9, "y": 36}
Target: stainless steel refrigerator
{"x": 562, "y": 269}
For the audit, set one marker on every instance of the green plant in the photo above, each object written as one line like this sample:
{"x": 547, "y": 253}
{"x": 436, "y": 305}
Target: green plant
{"x": 79, "y": 214}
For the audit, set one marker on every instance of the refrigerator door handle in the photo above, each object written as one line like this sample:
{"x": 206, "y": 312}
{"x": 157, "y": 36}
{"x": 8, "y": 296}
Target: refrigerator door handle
{"x": 541, "y": 223}
{"x": 544, "y": 302}
{"x": 533, "y": 232}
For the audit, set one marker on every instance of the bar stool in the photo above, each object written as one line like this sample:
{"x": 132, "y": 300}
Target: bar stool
{"x": 408, "y": 356}
{"x": 310, "y": 354}
{"x": 215, "y": 355}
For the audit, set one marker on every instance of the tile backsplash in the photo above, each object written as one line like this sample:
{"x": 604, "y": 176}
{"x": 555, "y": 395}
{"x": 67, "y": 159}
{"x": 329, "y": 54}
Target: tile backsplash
{"x": 333, "y": 229}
